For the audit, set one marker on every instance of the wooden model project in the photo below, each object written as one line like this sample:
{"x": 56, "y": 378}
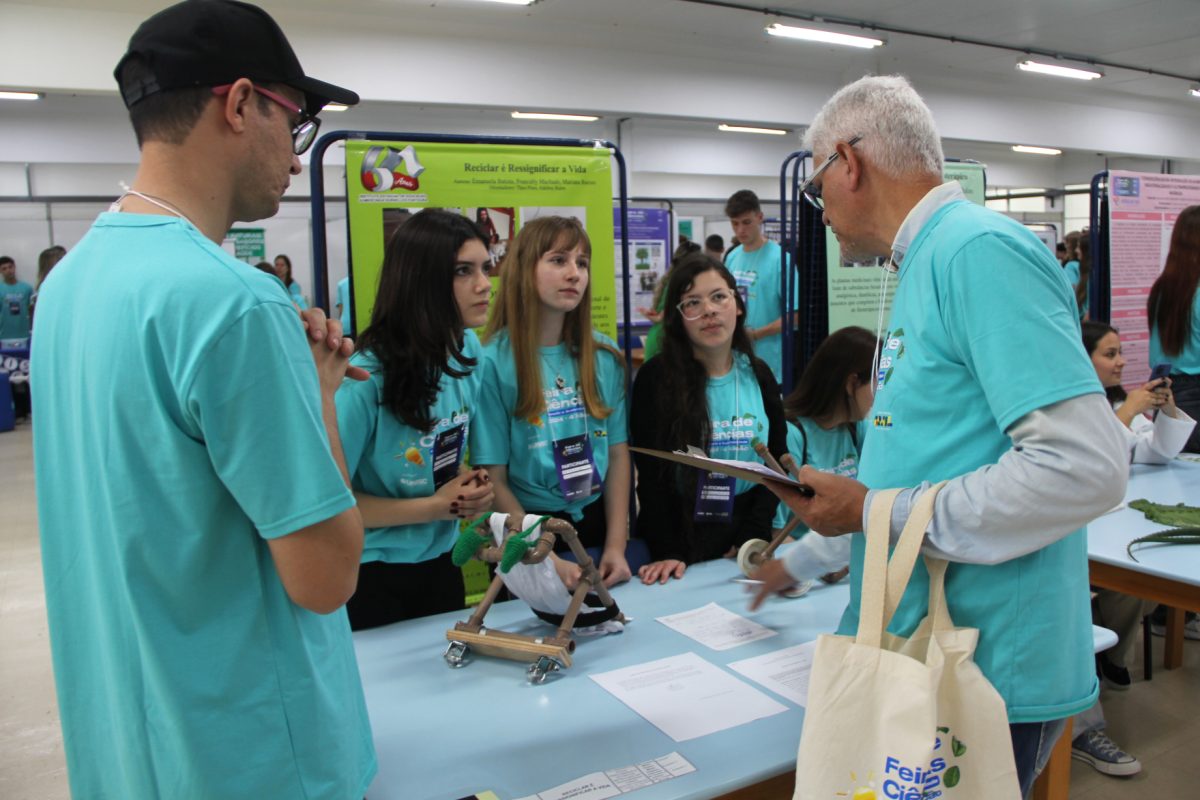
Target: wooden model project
{"x": 546, "y": 653}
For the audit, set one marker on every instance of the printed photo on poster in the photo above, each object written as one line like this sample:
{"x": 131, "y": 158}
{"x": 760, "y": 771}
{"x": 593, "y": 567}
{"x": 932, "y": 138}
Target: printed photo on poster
{"x": 498, "y": 224}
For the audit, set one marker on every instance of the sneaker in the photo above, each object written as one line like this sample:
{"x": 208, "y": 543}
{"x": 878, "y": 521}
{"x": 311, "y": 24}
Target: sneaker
{"x": 1191, "y": 629}
{"x": 1096, "y": 749}
{"x": 1114, "y": 677}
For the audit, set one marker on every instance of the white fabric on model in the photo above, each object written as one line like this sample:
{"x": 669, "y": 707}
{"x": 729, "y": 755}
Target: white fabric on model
{"x": 538, "y": 584}
{"x": 896, "y": 717}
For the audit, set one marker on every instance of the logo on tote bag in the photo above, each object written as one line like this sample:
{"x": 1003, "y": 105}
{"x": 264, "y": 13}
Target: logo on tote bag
{"x": 902, "y": 781}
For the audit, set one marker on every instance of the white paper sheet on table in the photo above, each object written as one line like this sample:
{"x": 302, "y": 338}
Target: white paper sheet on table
{"x": 686, "y": 697}
{"x": 613, "y": 782}
{"x": 716, "y": 627}
{"x": 785, "y": 672}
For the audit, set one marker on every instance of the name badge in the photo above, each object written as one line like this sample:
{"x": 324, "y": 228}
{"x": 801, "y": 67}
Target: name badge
{"x": 447, "y": 454}
{"x": 714, "y": 498}
{"x": 577, "y": 473}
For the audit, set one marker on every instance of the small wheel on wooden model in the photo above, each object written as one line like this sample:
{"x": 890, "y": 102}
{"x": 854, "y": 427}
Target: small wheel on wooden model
{"x": 538, "y": 670}
{"x": 458, "y": 654}
{"x": 746, "y": 556}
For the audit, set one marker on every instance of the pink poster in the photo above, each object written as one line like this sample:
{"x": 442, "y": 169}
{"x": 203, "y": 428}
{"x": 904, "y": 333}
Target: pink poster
{"x": 1142, "y": 209}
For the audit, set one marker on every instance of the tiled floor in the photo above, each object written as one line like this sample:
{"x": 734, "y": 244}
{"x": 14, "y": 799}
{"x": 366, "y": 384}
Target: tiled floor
{"x": 1158, "y": 721}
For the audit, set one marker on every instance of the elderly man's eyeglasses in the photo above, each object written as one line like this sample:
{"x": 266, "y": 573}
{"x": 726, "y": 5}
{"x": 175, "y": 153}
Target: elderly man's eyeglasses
{"x": 813, "y": 193}
{"x": 693, "y": 308}
{"x": 306, "y": 127}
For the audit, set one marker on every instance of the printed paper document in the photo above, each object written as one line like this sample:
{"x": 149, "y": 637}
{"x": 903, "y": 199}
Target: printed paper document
{"x": 686, "y": 697}
{"x": 785, "y": 672}
{"x": 716, "y": 627}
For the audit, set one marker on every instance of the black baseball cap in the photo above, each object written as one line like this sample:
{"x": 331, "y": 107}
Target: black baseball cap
{"x": 213, "y": 43}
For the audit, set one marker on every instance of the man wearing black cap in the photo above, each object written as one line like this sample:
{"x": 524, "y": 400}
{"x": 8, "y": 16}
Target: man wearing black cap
{"x": 198, "y": 535}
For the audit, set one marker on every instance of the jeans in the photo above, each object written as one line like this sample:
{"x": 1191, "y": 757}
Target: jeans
{"x": 1032, "y": 743}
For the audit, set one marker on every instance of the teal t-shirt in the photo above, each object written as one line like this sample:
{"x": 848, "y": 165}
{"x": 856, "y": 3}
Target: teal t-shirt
{"x": 758, "y": 277}
{"x": 297, "y": 295}
{"x": 343, "y": 300}
{"x": 14, "y": 310}
{"x": 1187, "y": 361}
{"x": 737, "y": 416}
{"x": 526, "y": 445}
{"x": 836, "y": 451}
{"x": 984, "y": 331}
{"x": 1072, "y": 270}
{"x": 387, "y": 458}
{"x": 170, "y": 447}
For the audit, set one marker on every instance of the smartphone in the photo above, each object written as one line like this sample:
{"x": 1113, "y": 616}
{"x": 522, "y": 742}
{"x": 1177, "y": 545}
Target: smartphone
{"x": 1160, "y": 371}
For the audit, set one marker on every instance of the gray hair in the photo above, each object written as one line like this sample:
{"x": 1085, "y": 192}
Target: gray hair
{"x": 899, "y": 136}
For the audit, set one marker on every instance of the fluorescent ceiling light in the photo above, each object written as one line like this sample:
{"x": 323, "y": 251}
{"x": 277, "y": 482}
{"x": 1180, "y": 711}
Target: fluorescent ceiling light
{"x": 1194, "y": 91}
{"x": 749, "y": 129}
{"x": 336, "y": 107}
{"x": 827, "y": 37}
{"x": 558, "y": 117}
{"x": 514, "y": 2}
{"x": 1059, "y": 71}
{"x": 1037, "y": 151}
{"x": 20, "y": 96}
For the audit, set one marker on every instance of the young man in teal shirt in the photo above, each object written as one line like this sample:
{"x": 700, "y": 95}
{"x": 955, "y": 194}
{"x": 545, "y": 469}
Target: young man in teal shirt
{"x": 755, "y": 264}
{"x": 199, "y": 538}
{"x": 982, "y": 382}
{"x": 14, "y": 297}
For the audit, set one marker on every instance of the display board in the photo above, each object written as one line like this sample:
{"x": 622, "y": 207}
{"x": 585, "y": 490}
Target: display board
{"x": 855, "y": 286}
{"x": 1142, "y": 208}
{"x": 501, "y": 187}
{"x": 649, "y": 256}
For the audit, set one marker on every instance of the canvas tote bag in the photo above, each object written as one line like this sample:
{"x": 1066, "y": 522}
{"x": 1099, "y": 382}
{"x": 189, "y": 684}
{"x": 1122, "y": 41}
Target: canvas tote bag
{"x": 903, "y": 718}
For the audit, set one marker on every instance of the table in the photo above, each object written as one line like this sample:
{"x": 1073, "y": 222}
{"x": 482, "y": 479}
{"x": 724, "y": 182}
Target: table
{"x": 1166, "y": 574}
{"x": 442, "y": 734}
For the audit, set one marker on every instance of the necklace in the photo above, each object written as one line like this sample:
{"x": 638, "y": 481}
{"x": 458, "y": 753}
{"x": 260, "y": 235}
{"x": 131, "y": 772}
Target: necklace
{"x": 152, "y": 200}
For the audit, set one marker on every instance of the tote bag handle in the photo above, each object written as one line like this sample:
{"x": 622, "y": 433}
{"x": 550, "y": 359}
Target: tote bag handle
{"x": 883, "y": 583}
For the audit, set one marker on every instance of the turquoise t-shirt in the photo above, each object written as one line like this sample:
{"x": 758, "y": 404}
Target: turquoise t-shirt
{"x": 343, "y": 300}
{"x": 1073, "y": 275}
{"x": 984, "y": 331}
{"x": 297, "y": 295}
{"x": 14, "y": 310}
{"x": 1072, "y": 270}
{"x": 1187, "y": 361}
{"x": 836, "y": 451}
{"x": 758, "y": 277}
{"x": 737, "y": 416}
{"x": 526, "y": 446}
{"x": 387, "y": 458}
{"x": 170, "y": 447}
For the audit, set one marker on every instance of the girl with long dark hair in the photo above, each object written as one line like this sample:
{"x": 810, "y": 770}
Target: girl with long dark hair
{"x": 404, "y": 431}
{"x": 552, "y": 430}
{"x": 707, "y": 389}
{"x": 1173, "y": 311}
{"x": 825, "y": 430}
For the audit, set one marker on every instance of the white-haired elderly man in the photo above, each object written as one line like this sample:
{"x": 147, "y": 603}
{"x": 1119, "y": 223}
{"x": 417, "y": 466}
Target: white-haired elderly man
{"x": 982, "y": 382}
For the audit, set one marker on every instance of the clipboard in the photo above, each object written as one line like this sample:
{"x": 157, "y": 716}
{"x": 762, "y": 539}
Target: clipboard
{"x": 750, "y": 471}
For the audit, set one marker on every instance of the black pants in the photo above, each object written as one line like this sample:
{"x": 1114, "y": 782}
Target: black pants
{"x": 1186, "y": 389}
{"x": 390, "y": 593}
{"x": 592, "y": 528}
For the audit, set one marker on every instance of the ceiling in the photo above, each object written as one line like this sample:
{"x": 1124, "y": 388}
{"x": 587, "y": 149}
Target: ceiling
{"x": 601, "y": 55}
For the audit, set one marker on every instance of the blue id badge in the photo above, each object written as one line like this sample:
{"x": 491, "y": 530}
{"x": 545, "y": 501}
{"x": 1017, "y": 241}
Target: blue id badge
{"x": 576, "y": 468}
{"x": 447, "y": 453}
{"x": 714, "y": 498}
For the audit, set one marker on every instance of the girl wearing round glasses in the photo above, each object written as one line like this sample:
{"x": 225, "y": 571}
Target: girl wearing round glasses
{"x": 404, "y": 431}
{"x": 551, "y": 429}
{"x": 706, "y": 389}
